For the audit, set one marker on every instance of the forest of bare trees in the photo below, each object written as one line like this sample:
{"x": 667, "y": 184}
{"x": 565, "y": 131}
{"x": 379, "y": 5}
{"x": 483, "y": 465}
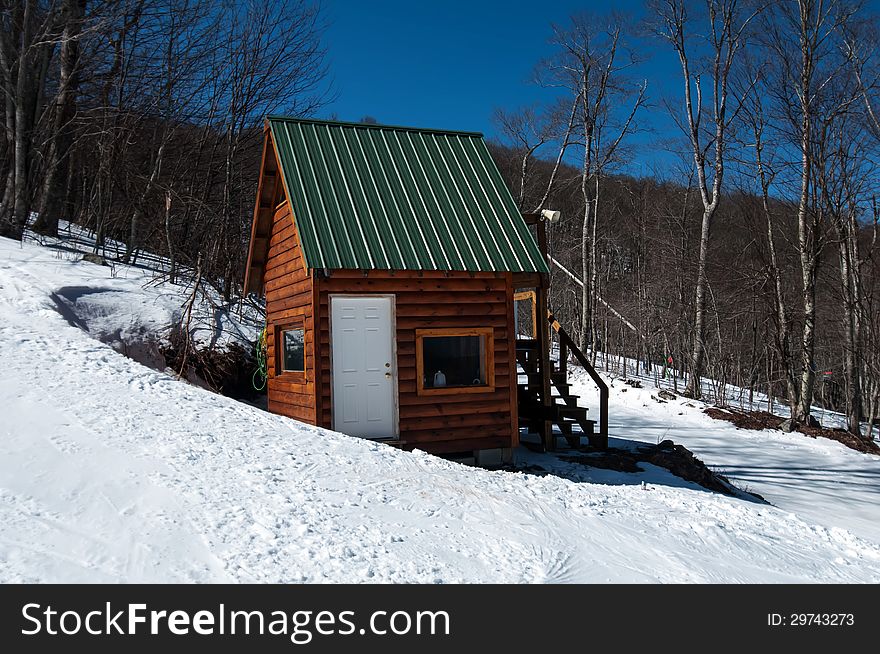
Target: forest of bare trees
{"x": 142, "y": 119}
{"x": 748, "y": 257}
{"x": 753, "y": 262}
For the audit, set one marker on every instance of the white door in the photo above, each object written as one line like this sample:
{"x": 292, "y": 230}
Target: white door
{"x": 361, "y": 333}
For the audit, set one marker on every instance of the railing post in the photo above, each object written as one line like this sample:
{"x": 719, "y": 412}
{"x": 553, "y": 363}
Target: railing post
{"x": 563, "y": 359}
{"x": 547, "y": 438}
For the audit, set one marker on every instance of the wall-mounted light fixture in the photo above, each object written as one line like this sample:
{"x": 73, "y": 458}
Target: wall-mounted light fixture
{"x": 550, "y": 216}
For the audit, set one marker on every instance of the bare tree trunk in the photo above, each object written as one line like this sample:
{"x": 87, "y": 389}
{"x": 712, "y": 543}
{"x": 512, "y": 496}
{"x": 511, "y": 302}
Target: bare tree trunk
{"x": 808, "y": 222}
{"x": 782, "y": 332}
{"x": 8, "y": 194}
{"x": 172, "y": 266}
{"x": 566, "y": 140}
{"x": 138, "y": 212}
{"x": 594, "y": 273}
{"x": 57, "y": 161}
{"x": 724, "y": 39}
{"x": 6, "y": 69}
{"x": 24, "y": 80}
{"x": 808, "y": 335}
{"x": 849, "y": 277}
{"x": 586, "y": 298}
{"x": 698, "y": 355}
{"x": 873, "y": 408}
{"x": 14, "y": 225}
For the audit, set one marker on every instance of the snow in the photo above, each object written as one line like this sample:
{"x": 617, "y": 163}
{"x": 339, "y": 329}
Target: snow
{"x": 111, "y": 471}
{"x": 818, "y": 479}
{"x": 124, "y": 305}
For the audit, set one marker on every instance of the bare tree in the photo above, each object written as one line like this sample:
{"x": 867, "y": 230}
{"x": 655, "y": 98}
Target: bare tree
{"x": 57, "y": 159}
{"x": 528, "y": 131}
{"x": 272, "y": 61}
{"x": 765, "y": 166}
{"x": 157, "y": 113}
{"x": 843, "y": 185}
{"x": 725, "y": 29}
{"x": 871, "y": 328}
{"x": 590, "y": 65}
{"x": 28, "y": 34}
{"x": 802, "y": 38}
{"x": 861, "y": 134}
{"x": 564, "y": 140}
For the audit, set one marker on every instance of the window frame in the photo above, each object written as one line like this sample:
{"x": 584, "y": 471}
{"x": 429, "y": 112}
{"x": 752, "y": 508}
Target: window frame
{"x": 533, "y": 298}
{"x": 486, "y": 332}
{"x": 293, "y": 375}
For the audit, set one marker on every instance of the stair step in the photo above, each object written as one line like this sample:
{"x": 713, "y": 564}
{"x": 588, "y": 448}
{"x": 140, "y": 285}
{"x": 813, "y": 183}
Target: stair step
{"x": 527, "y": 344}
{"x": 572, "y": 411}
{"x": 587, "y": 427}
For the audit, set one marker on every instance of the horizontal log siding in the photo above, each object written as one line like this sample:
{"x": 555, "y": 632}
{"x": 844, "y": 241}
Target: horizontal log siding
{"x": 288, "y": 290}
{"x": 439, "y": 423}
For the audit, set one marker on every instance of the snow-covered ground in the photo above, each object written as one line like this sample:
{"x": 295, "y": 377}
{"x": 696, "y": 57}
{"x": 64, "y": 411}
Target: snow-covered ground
{"x": 126, "y": 305}
{"x": 112, "y": 471}
{"x": 818, "y": 479}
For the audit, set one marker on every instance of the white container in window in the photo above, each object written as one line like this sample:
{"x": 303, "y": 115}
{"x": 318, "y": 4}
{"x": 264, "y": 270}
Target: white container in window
{"x": 439, "y": 379}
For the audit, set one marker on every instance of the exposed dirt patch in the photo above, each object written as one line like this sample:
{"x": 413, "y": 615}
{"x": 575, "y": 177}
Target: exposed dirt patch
{"x": 765, "y": 420}
{"x": 679, "y": 460}
{"x": 619, "y": 460}
{"x": 842, "y": 436}
{"x": 745, "y": 419}
{"x": 228, "y": 370}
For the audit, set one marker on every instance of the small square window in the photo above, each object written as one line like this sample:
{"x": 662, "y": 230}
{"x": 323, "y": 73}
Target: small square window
{"x": 454, "y": 360}
{"x": 293, "y": 353}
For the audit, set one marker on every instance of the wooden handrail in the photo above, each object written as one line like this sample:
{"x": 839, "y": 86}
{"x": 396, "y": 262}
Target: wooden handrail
{"x": 565, "y": 339}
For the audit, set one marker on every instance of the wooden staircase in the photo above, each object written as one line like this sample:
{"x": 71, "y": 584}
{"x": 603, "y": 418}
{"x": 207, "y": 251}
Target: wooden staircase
{"x": 540, "y": 408}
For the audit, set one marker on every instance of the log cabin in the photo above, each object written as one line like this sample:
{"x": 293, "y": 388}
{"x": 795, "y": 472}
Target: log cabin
{"x": 390, "y": 258}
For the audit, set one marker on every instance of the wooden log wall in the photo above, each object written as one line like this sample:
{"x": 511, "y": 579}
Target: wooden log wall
{"x": 289, "y": 301}
{"x": 423, "y": 300}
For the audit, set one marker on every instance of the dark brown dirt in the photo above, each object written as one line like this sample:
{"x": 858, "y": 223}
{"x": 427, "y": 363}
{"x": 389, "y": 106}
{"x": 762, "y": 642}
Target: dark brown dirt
{"x": 765, "y": 420}
{"x": 679, "y": 460}
{"x": 745, "y": 419}
{"x": 227, "y": 371}
{"x": 842, "y": 436}
{"x": 618, "y": 460}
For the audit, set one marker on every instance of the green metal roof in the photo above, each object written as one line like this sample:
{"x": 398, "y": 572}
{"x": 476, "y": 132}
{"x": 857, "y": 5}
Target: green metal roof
{"x": 397, "y": 198}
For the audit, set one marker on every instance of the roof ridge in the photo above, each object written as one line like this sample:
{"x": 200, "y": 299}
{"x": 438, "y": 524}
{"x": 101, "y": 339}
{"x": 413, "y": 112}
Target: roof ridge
{"x": 398, "y": 128}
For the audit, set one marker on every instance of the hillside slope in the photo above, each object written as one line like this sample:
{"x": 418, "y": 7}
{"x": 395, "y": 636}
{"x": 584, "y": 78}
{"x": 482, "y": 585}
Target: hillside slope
{"x": 817, "y": 479}
{"x": 112, "y": 471}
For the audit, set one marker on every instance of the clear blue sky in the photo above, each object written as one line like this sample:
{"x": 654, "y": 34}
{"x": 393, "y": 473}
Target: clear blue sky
{"x": 450, "y": 64}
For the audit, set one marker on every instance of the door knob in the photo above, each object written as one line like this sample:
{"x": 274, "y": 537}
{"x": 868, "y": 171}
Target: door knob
{"x": 388, "y": 375}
